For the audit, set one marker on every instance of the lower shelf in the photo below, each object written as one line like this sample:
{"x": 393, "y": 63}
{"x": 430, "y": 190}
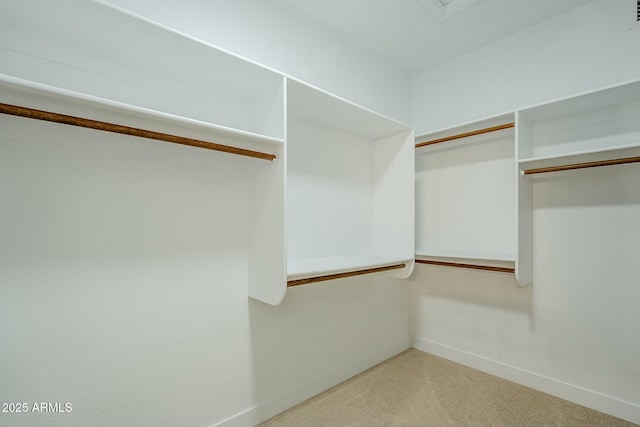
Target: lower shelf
{"x": 466, "y": 255}
{"x": 298, "y": 282}
{"x": 312, "y": 270}
{"x": 499, "y": 264}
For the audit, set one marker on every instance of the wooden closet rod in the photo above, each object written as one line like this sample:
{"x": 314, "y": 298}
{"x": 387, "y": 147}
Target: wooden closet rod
{"x": 48, "y": 116}
{"x": 582, "y": 165}
{"x": 306, "y": 281}
{"x": 466, "y": 134}
{"x": 469, "y": 266}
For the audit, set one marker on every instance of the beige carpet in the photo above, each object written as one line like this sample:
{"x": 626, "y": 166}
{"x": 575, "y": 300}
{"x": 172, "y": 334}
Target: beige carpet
{"x": 419, "y": 389}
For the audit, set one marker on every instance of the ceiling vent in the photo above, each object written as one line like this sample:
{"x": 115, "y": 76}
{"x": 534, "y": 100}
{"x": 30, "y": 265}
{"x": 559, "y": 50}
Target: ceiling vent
{"x": 443, "y": 9}
{"x": 634, "y": 14}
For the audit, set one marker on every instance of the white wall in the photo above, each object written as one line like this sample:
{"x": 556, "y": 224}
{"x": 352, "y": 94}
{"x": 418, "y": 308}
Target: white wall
{"x": 277, "y": 36}
{"x": 586, "y": 48}
{"x": 575, "y": 331}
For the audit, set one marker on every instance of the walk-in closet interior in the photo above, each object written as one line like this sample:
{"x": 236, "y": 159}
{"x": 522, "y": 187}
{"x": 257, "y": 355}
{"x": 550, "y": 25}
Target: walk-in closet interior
{"x": 212, "y": 211}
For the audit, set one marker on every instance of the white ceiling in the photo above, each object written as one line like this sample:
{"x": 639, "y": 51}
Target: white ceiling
{"x": 407, "y": 35}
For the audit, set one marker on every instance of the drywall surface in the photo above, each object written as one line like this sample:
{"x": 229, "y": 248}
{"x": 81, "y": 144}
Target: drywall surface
{"x": 584, "y": 49}
{"x": 123, "y": 275}
{"x": 575, "y": 331}
{"x": 275, "y": 35}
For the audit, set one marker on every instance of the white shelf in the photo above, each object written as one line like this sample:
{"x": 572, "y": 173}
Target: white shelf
{"x": 601, "y": 99}
{"x": 141, "y": 64}
{"x": 313, "y": 104}
{"x": 350, "y": 186}
{"x": 581, "y": 157}
{"x": 470, "y": 256}
{"x": 497, "y": 262}
{"x": 312, "y": 267}
{"x": 40, "y": 96}
{"x": 468, "y": 262}
{"x": 590, "y": 123}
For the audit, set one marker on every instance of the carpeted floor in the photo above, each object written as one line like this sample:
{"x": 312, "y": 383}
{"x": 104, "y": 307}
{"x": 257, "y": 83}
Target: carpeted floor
{"x": 418, "y": 389}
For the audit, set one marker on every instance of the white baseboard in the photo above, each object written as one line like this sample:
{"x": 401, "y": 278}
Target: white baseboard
{"x": 289, "y": 399}
{"x": 609, "y": 405}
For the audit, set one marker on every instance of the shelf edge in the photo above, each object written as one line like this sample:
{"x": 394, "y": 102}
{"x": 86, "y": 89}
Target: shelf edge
{"x": 117, "y": 106}
{"x": 360, "y": 272}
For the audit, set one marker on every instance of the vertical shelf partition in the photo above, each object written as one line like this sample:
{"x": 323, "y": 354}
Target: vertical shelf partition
{"x": 349, "y": 189}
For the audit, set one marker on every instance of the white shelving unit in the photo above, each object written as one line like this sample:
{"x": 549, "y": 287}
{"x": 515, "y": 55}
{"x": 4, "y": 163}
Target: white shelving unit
{"x": 458, "y": 222}
{"x": 595, "y": 126}
{"x": 571, "y": 133}
{"x": 338, "y": 198}
{"x": 349, "y": 187}
{"x": 153, "y": 78}
{"x": 21, "y": 92}
{"x": 464, "y": 194}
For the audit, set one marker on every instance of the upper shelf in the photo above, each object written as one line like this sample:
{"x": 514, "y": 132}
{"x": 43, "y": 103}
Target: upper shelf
{"x": 314, "y": 104}
{"x": 601, "y": 99}
{"x": 594, "y": 129}
{"x": 103, "y": 114}
{"x": 89, "y": 47}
